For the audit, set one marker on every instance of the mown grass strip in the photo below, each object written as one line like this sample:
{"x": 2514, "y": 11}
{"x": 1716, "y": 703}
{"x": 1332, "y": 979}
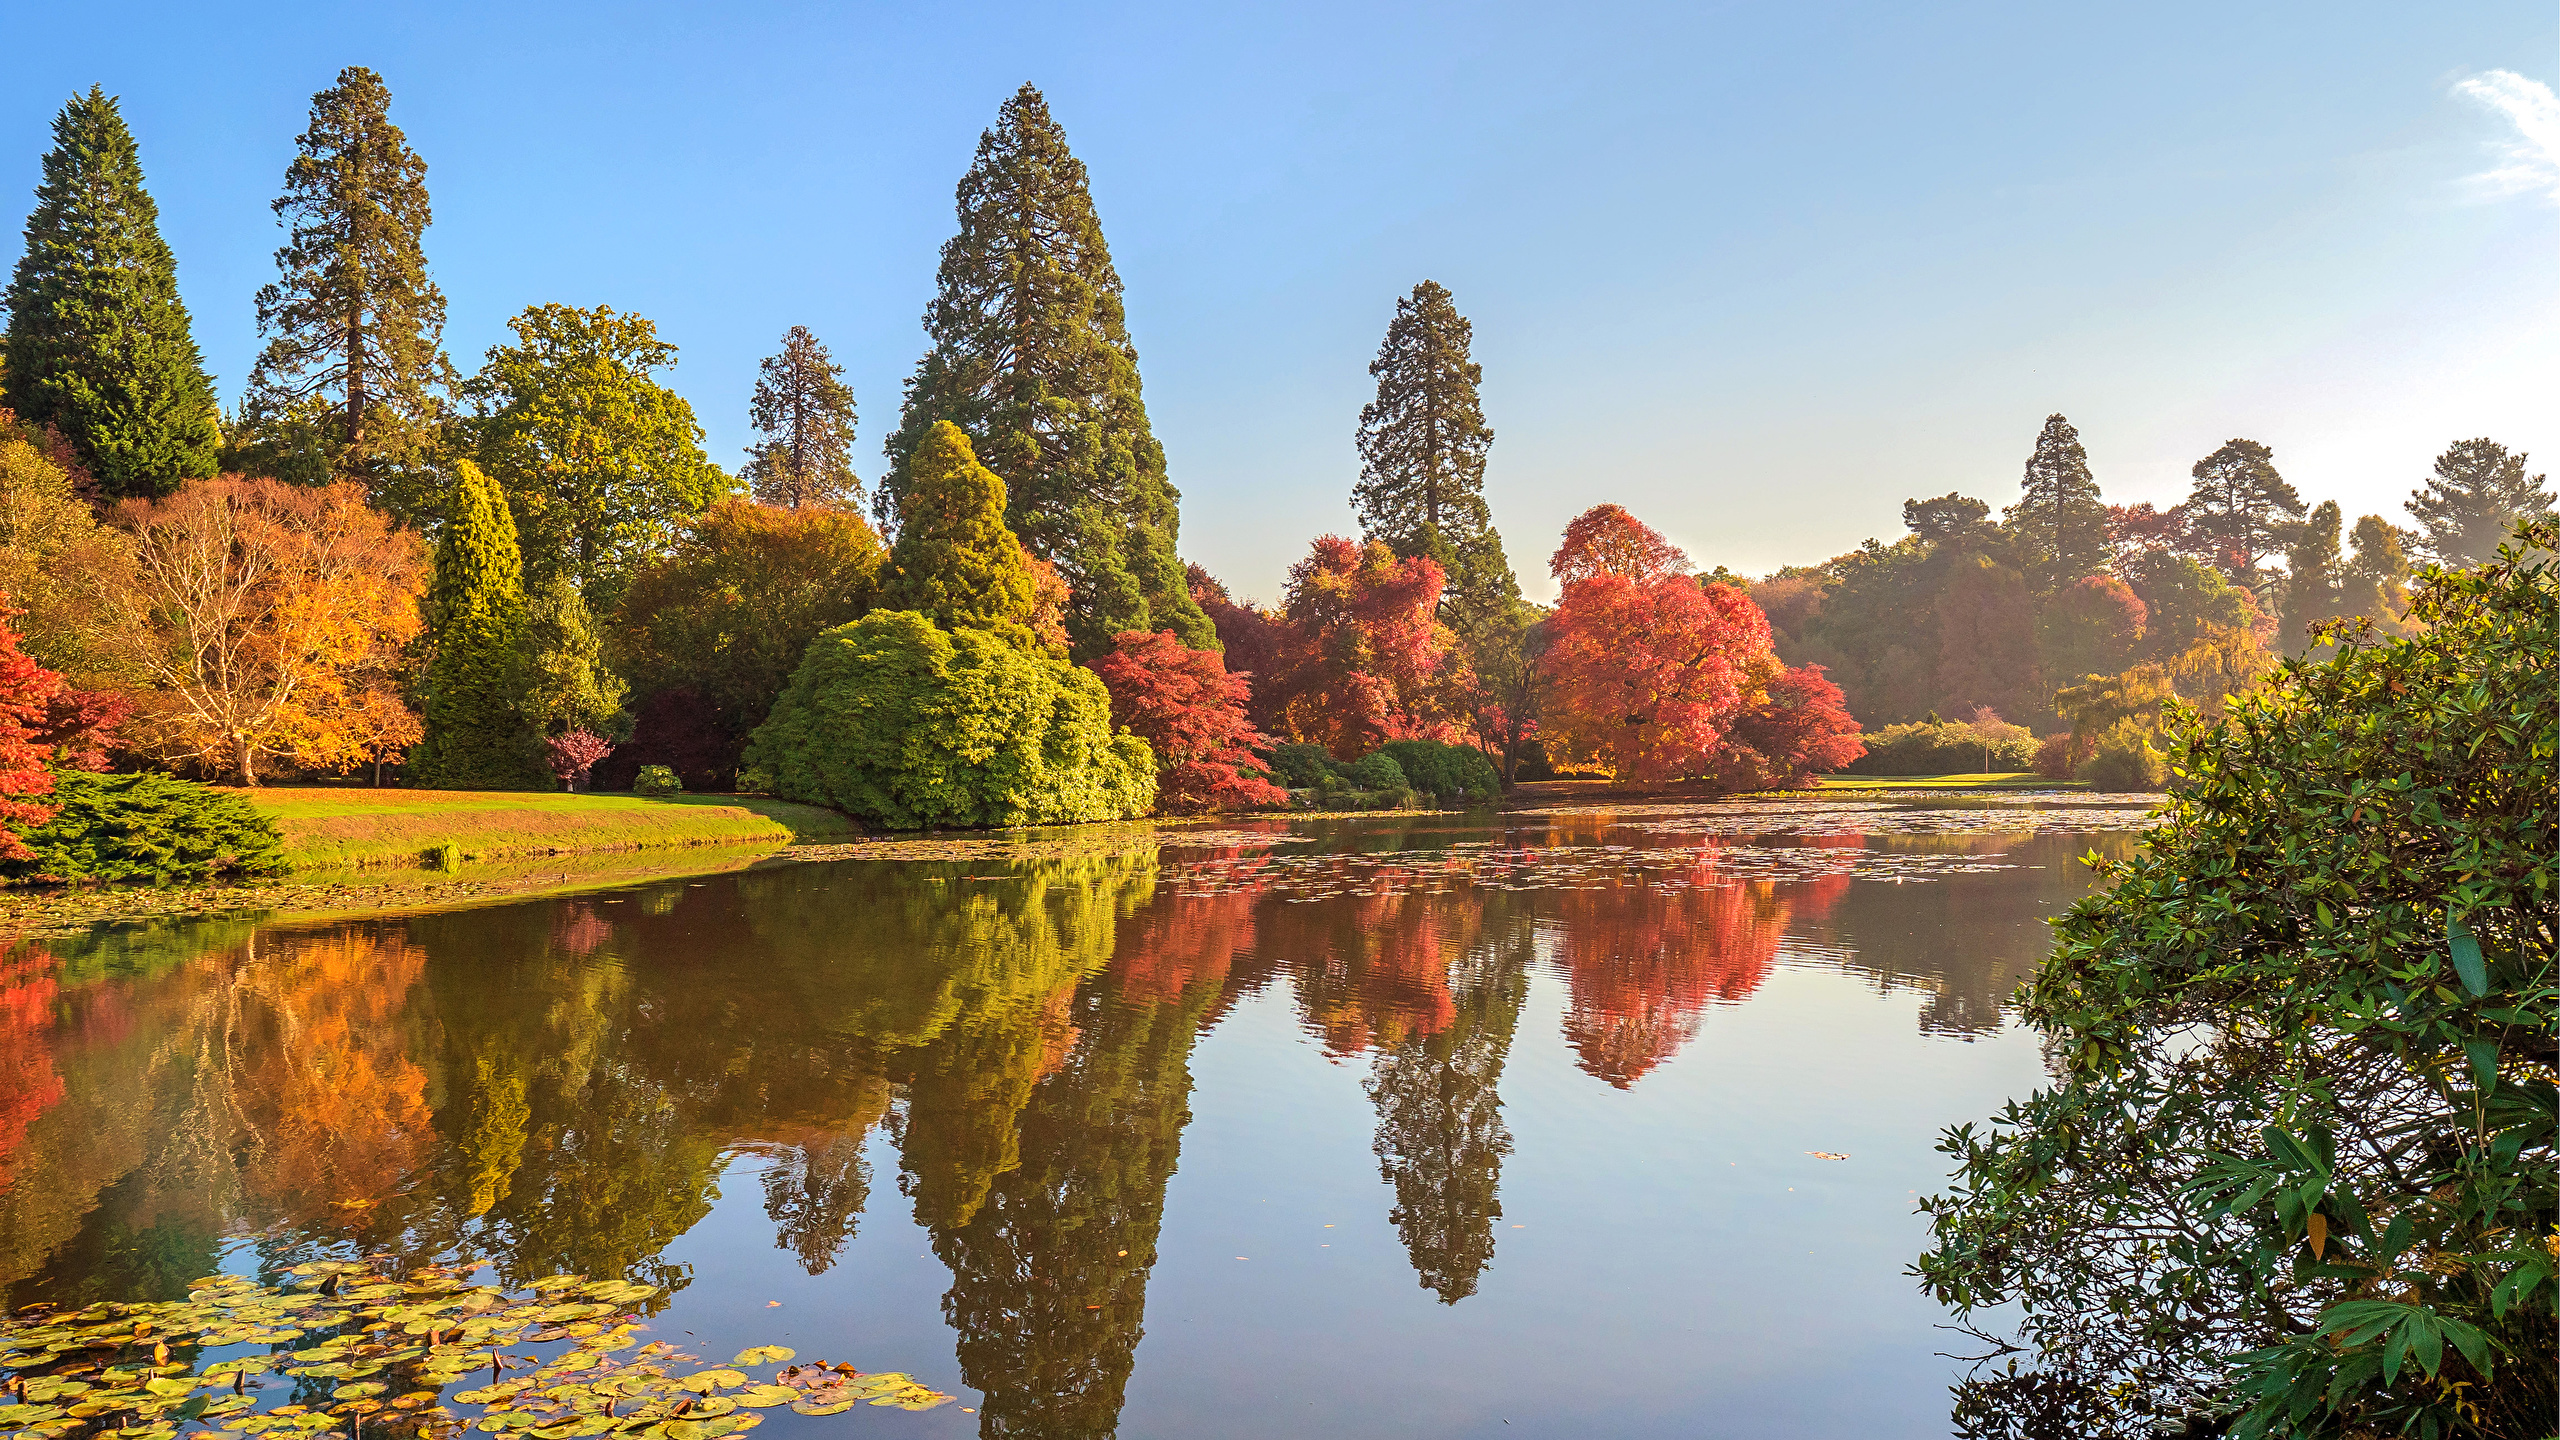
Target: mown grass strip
{"x": 334, "y": 828}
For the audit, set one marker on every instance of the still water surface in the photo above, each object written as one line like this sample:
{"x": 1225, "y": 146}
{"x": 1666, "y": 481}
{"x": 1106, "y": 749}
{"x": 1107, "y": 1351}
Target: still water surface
{"x": 1412, "y": 1126}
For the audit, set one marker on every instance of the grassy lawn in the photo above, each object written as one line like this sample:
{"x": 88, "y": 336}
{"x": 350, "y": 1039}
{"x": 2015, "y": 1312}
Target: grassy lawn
{"x": 2005, "y": 780}
{"x": 336, "y": 828}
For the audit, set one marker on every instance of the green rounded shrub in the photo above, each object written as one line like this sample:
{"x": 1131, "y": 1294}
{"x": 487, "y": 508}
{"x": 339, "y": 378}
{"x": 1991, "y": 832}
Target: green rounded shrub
{"x": 149, "y": 827}
{"x": 1445, "y": 770}
{"x": 899, "y": 721}
{"x": 1375, "y": 771}
{"x": 656, "y": 781}
{"x": 1301, "y": 766}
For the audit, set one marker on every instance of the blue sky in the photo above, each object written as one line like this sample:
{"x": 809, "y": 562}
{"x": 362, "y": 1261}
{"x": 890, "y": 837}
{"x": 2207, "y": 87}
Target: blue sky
{"x": 1758, "y": 273}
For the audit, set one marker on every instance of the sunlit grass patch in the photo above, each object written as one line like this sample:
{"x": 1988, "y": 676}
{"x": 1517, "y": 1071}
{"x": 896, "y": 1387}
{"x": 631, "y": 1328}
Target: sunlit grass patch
{"x": 334, "y": 828}
{"x": 1991, "y": 780}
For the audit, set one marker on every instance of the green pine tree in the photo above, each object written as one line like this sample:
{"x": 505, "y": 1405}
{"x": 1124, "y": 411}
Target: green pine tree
{"x": 955, "y": 561}
{"x": 2313, "y": 584}
{"x": 478, "y": 735}
{"x": 804, "y": 410}
{"x": 99, "y": 345}
{"x": 2059, "y": 521}
{"x": 1422, "y": 451}
{"x": 350, "y": 384}
{"x": 2241, "y": 510}
{"x": 2478, "y": 492}
{"x": 1031, "y": 357}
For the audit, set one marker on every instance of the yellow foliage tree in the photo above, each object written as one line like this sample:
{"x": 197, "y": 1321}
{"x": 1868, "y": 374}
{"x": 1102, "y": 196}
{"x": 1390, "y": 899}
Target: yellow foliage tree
{"x": 263, "y": 617}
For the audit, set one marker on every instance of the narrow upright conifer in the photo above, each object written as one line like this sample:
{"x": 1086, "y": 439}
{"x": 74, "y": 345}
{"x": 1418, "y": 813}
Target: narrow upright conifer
{"x": 2479, "y": 490}
{"x": 804, "y": 410}
{"x": 478, "y": 735}
{"x": 955, "y": 561}
{"x": 354, "y": 367}
{"x": 2059, "y": 519}
{"x": 1423, "y": 443}
{"x": 99, "y": 345}
{"x": 1031, "y": 357}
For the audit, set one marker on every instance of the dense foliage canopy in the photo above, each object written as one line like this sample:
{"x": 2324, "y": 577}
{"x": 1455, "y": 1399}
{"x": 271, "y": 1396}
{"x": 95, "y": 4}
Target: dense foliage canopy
{"x": 2298, "y": 1166}
{"x": 1191, "y": 713}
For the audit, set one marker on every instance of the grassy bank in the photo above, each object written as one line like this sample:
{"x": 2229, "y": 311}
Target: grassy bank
{"x": 2011, "y": 780}
{"x": 337, "y": 829}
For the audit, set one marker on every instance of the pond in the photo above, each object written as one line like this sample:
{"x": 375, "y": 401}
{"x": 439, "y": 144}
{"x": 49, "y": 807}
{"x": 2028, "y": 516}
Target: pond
{"x": 1579, "y": 1122}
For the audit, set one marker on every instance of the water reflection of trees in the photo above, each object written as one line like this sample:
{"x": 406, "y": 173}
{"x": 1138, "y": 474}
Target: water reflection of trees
{"x": 1643, "y": 961}
{"x": 557, "y": 1086}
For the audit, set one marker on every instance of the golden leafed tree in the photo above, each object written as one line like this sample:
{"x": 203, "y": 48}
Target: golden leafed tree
{"x": 263, "y": 617}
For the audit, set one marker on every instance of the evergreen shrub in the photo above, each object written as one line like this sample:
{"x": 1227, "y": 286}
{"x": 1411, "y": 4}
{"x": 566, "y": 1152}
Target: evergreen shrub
{"x": 656, "y": 780}
{"x": 147, "y": 827}
{"x": 899, "y": 721}
{"x": 1943, "y": 748}
{"x": 1376, "y": 770}
{"x": 1439, "y": 769}
{"x": 1301, "y": 766}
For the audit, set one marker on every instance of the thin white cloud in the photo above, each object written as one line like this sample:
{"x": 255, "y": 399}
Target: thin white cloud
{"x": 2531, "y": 155}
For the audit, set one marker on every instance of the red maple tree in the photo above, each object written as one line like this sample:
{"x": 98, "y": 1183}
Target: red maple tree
{"x": 1363, "y": 658}
{"x": 1648, "y": 669}
{"x": 1801, "y": 728}
{"x": 1186, "y": 706}
{"x": 27, "y": 693}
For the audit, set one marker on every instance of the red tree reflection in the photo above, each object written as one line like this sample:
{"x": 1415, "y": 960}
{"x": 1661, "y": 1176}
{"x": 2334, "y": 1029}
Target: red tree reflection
{"x": 29, "y": 1085}
{"x": 1643, "y": 960}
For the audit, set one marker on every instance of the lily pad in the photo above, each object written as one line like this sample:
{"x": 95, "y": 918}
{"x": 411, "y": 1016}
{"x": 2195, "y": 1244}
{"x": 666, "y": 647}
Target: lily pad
{"x": 764, "y": 1355}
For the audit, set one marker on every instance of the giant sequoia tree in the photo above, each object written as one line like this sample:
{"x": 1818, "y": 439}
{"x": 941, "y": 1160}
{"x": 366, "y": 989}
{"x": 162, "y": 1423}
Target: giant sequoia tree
{"x": 348, "y": 386}
{"x": 1422, "y": 452}
{"x": 1031, "y": 357}
{"x": 2059, "y": 521}
{"x": 99, "y": 345}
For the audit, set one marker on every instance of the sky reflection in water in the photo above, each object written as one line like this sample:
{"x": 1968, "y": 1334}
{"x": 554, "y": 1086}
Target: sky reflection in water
{"x": 1402, "y": 1126}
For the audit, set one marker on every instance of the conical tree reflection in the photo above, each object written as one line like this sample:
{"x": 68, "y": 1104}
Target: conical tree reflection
{"x": 1049, "y": 1274}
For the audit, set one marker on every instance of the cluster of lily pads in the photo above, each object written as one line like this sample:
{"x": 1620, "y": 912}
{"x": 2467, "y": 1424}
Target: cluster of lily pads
{"x": 351, "y": 1349}
{"x": 1556, "y": 867}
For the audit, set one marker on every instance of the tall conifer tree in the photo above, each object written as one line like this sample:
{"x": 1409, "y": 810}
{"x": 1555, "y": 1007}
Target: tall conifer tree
{"x": 1423, "y": 443}
{"x": 350, "y": 386}
{"x": 2241, "y": 510}
{"x": 478, "y": 736}
{"x": 2314, "y": 582}
{"x": 2478, "y": 492}
{"x": 804, "y": 410}
{"x": 2059, "y": 521}
{"x": 99, "y": 345}
{"x": 1031, "y": 357}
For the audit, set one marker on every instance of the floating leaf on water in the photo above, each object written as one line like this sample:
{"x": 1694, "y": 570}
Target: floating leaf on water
{"x": 766, "y": 1396}
{"x": 764, "y": 1355}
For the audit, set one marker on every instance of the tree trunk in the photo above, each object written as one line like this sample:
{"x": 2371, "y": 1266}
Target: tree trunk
{"x": 244, "y": 760}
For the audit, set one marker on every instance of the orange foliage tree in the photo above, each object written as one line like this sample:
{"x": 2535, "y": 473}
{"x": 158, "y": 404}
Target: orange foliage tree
{"x": 1362, "y": 657}
{"x": 1647, "y": 668}
{"x": 259, "y": 614}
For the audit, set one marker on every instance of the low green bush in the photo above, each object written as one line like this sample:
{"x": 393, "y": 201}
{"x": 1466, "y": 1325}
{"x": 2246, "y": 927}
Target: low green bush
{"x": 656, "y": 781}
{"x": 149, "y": 827}
{"x": 1301, "y": 766}
{"x": 1377, "y": 770}
{"x": 897, "y": 720}
{"x": 2126, "y": 762}
{"x": 1452, "y": 771}
{"x": 1943, "y": 749}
